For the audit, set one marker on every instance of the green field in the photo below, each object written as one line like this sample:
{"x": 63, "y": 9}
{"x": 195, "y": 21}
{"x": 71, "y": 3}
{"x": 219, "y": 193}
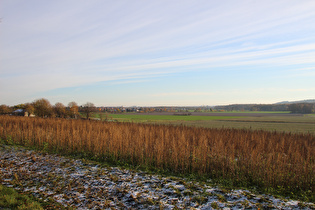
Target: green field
{"x": 288, "y": 123}
{"x": 216, "y": 111}
{"x": 269, "y": 121}
{"x": 168, "y": 118}
{"x": 305, "y": 124}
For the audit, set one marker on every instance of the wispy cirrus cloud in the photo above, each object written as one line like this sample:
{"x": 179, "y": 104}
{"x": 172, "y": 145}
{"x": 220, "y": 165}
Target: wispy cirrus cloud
{"x": 51, "y": 45}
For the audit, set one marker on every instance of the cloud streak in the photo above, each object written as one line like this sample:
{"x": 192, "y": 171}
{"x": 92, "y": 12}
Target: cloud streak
{"x": 60, "y": 44}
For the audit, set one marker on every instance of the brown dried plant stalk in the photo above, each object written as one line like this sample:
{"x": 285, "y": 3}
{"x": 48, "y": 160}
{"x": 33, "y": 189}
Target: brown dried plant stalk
{"x": 267, "y": 159}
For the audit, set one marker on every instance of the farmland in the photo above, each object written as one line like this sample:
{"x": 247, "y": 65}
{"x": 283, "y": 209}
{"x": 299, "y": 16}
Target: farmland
{"x": 166, "y": 118}
{"x": 273, "y": 162}
{"x": 269, "y": 121}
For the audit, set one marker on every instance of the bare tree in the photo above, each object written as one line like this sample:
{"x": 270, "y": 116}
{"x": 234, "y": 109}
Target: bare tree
{"x": 4, "y": 109}
{"x": 29, "y": 108}
{"x": 43, "y": 108}
{"x": 60, "y": 110}
{"x": 74, "y": 109}
{"x": 88, "y": 108}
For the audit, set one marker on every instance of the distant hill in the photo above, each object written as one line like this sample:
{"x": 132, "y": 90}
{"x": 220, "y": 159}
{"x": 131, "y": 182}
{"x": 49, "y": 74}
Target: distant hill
{"x": 297, "y": 102}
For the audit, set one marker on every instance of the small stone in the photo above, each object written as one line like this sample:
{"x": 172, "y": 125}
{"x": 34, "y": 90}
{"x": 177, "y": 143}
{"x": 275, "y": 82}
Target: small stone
{"x": 180, "y": 187}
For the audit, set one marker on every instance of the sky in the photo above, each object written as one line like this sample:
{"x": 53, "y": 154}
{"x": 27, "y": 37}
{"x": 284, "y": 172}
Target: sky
{"x": 157, "y": 53}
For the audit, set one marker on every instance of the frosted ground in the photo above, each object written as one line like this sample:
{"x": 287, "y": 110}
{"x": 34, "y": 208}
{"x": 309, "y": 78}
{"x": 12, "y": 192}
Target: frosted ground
{"x": 85, "y": 185}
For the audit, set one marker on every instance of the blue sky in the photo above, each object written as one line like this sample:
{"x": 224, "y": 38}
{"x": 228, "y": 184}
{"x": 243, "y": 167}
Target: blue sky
{"x": 152, "y": 53}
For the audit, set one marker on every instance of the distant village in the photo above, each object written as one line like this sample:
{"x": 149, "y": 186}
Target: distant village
{"x": 154, "y": 109}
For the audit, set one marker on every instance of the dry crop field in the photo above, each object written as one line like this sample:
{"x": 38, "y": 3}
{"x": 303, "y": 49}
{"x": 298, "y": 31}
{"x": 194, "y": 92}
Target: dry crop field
{"x": 273, "y": 162}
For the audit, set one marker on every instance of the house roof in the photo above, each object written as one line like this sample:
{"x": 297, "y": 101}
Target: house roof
{"x": 18, "y": 111}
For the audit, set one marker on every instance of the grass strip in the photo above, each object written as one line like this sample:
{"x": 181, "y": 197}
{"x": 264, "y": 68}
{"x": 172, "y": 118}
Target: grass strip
{"x": 11, "y": 199}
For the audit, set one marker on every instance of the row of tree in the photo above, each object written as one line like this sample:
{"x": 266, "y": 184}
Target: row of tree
{"x": 43, "y": 108}
{"x": 302, "y": 108}
{"x": 293, "y": 107}
{"x": 253, "y": 107}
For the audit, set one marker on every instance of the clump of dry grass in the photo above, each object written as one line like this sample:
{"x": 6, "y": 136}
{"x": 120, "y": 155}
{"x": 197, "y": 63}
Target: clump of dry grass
{"x": 268, "y": 159}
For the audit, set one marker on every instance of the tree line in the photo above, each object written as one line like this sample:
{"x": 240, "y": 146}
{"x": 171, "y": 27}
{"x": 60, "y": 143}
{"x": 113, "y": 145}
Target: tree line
{"x": 302, "y": 108}
{"x": 293, "y": 107}
{"x": 43, "y": 108}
